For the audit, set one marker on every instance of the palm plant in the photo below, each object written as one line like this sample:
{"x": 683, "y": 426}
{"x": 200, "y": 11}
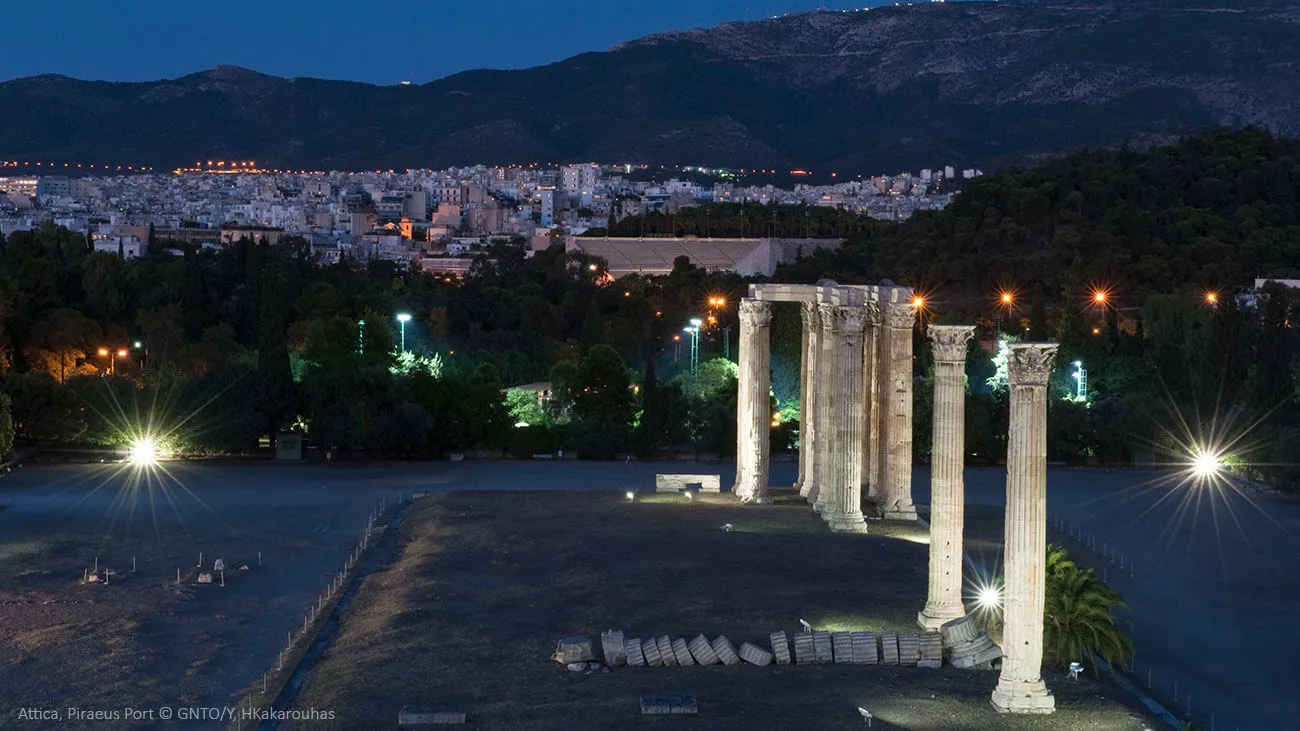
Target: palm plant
{"x": 1078, "y": 625}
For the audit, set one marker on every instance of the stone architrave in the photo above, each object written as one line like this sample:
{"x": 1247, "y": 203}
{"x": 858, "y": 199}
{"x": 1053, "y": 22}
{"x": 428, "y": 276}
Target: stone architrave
{"x": 896, "y": 421}
{"x": 825, "y": 415}
{"x": 871, "y": 403}
{"x": 808, "y": 397}
{"x": 947, "y": 488}
{"x": 843, "y": 504}
{"x": 754, "y": 411}
{"x": 1020, "y": 687}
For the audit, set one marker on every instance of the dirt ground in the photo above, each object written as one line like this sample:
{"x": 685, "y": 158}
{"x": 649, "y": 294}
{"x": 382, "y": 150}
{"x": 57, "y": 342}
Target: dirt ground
{"x": 467, "y": 617}
{"x": 143, "y": 641}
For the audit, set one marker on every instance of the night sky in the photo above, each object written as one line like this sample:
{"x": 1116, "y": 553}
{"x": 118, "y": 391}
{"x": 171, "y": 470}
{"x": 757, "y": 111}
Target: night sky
{"x": 380, "y": 42}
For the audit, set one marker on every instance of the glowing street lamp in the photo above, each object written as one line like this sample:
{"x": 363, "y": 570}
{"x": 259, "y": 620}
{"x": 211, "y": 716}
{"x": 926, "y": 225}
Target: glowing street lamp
{"x": 1100, "y": 296}
{"x": 1211, "y": 298}
{"x": 403, "y": 318}
{"x": 112, "y": 355}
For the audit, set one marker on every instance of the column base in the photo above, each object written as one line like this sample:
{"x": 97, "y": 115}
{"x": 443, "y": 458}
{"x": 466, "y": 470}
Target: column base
{"x": 901, "y": 512}
{"x": 1021, "y": 697}
{"x": 847, "y": 523}
{"x": 757, "y": 500}
{"x": 931, "y": 618}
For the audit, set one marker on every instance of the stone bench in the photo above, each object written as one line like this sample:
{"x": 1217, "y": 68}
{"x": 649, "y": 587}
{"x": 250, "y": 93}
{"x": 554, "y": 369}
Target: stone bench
{"x": 677, "y": 483}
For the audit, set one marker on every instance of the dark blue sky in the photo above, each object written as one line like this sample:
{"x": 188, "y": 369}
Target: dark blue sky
{"x": 380, "y": 41}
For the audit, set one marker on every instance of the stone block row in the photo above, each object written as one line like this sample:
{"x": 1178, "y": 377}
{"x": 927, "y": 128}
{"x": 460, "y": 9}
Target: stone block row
{"x": 819, "y": 647}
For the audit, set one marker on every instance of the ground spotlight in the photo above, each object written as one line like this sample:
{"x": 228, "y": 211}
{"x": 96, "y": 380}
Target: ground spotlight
{"x": 144, "y": 451}
{"x": 1206, "y": 463}
{"x": 989, "y": 599}
{"x": 631, "y": 495}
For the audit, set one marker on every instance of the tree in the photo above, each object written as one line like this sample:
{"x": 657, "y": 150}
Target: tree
{"x": 6, "y": 426}
{"x": 1077, "y": 621}
{"x": 604, "y": 389}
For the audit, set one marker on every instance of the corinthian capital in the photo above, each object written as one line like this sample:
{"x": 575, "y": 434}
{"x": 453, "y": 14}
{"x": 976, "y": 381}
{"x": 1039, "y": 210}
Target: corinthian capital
{"x": 1030, "y": 364}
{"x": 900, "y": 315}
{"x": 809, "y": 314}
{"x": 948, "y": 342}
{"x": 755, "y": 313}
{"x": 850, "y": 320}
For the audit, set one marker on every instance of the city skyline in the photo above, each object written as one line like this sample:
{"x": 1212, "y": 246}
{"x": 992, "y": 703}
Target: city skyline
{"x": 328, "y": 40}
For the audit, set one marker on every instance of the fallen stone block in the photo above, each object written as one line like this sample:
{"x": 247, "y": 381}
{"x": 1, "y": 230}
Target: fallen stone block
{"x": 632, "y": 648}
{"x": 931, "y": 650}
{"x": 822, "y": 647}
{"x": 650, "y": 649}
{"x": 611, "y": 643}
{"x": 803, "y": 649}
{"x": 417, "y": 716}
{"x": 682, "y": 652}
{"x": 780, "y": 648}
{"x": 909, "y": 648}
{"x": 754, "y": 655}
{"x": 702, "y": 651}
{"x": 889, "y": 648}
{"x": 668, "y": 704}
{"x": 842, "y": 644}
{"x": 665, "y": 644}
{"x": 866, "y": 650}
{"x": 725, "y": 651}
{"x": 957, "y": 631}
{"x": 574, "y": 649}
{"x": 978, "y": 654}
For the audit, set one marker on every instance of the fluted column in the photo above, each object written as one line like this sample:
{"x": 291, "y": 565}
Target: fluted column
{"x": 844, "y": 504}
{"x": 807, "y": 395}
{"x": 947, "y": 488}
{"x": 754, "y": 418}
{"x": 871, "y": 371}
{"x": 821, "y": 492}
{"x": 899, "y": 318}
{"x": 1020, "y": 687}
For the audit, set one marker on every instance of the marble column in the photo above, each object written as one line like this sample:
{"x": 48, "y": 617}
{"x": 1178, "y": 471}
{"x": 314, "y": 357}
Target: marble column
{"x": 807, "y": 396}
{"x": 824, "y": 380}
{"x": 754, "y": 418}
{"x": 896, "y": 421}
{"x": 871, "y": 403}
{"x": 1020, "y": 687}
{"x": 843, "y": 509}
{"x": 947, "y": 489}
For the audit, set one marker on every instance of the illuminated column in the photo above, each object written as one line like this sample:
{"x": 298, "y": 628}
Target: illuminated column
{"x": 807, "y": 396}
{"x": 820, "y": 493}
{"x": 843, "y": 509}
{"x": 754, "y": 419}
{"x": 947, "y": 490}
{"x": 896, "y": 419}
{"x": 871, "y": 403}
{"x": 1020, "y": 687}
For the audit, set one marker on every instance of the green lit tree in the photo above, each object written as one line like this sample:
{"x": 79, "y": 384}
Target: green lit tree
{"x": 1077, "y": 621}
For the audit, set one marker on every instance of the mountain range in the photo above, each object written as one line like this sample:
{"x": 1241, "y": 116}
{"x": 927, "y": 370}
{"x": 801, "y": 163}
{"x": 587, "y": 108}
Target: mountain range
{"x": 974, "y": 84}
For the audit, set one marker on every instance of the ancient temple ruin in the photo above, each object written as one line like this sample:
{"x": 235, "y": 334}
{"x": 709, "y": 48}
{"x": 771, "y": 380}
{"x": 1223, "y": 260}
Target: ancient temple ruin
{"x": 855, "y": 413}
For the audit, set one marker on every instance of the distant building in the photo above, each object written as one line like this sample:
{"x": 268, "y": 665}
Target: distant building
{"x": 232, "y": 234}
{"x": 129, "y": 247}
{"x": 748, "y": 257}
{"x": 546, "y": 197}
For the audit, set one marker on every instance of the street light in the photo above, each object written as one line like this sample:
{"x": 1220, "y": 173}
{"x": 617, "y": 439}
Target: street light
{"x": 112, "y": 355}
{"x": 1211, "y": 298}
{"x": 403, "y": 318}
{"x": 1006, "y": 300}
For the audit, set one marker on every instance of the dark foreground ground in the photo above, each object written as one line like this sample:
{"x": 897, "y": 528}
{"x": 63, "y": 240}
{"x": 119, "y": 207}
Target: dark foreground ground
{"x": 1209, "y": 573}
{"x": 467, "y": 616}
